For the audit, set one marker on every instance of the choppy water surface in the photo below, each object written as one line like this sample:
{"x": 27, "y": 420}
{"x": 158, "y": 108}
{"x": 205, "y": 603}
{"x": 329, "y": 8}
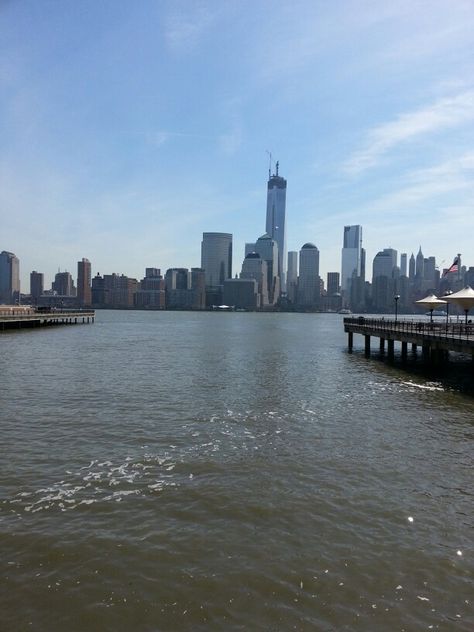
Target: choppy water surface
{"x": 179, "y": 471}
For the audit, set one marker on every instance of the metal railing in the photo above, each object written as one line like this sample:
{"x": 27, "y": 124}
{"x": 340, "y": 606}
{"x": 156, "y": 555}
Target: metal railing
{"x": 436, "y": 329}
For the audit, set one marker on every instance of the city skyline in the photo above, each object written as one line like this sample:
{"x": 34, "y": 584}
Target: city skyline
{"x": 124, "y": 135}
{"x": 236, "y": 263}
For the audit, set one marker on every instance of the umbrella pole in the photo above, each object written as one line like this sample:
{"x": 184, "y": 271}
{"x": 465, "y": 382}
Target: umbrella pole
{"x": 431, "y": 315}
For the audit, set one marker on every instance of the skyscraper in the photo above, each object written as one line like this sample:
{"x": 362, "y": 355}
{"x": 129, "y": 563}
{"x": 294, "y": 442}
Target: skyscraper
{"x": 333, "y": 283}
{"x": 216, "y": 258}
{"x": 384, "y": 285}
{"x": 384, "y": 264}
{"x": 249, "y": 247}
{"x": 420, "y": 265}
{"x": 63, "y": 284}
{"x": 276, "y": 220}
{"x": 9, "y": 278}
{"x": 36, "y": 285}
{"x": 403, "y": 264}
{"x": 351, "y": 256}
{"x": 292, "y": 275}
{"x": 267, "y": 248}
{"x": 84, "y": 295}
{"x": 429, "y": 271}
{"x": 309, "y": 288}
{"x": 198, "y": 288}
{"x": 254, "y": 267}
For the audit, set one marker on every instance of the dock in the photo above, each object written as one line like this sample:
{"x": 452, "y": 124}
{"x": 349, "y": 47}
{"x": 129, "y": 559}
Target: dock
{"x": 435, "y": 339}
{"x": 29, "y": 317}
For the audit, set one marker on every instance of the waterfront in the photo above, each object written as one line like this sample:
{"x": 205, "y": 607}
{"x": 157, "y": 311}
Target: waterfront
{"x": 196, "y": 471}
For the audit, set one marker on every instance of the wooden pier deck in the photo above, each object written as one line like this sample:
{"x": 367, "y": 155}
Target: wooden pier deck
{"x": 23, "y": 318}
{"x": 435, "y": 339}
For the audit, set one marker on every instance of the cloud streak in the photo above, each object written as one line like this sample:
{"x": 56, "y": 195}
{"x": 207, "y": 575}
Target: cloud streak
{"x": 434, "y": 183}
{"x": 445, "y": 113}
{"x": 186, "y": 27}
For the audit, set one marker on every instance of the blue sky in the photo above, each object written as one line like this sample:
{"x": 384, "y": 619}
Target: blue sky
{"x": 129, "y": 128}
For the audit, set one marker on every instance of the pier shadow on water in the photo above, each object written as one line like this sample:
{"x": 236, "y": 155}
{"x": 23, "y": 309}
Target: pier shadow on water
{"x": 455, "y": 374}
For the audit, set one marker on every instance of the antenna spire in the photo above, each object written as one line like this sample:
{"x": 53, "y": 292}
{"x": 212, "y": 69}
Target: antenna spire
{"x": 270, "y": 164}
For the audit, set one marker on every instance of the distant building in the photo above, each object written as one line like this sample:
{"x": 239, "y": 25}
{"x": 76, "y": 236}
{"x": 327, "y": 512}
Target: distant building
{"x": 333, "y": 283}
{"x": 412, "y": 268}
{"x": 36, "y": 286}
{"x": 292, "y": 276}
{"x": 351, "y": 257}
{"x": 385, "y": 262}
{"x": 403, "y": 264}
{"x": 383, "y": 292}
{"x": 216, "y": 261}
{"x": 114, "y": 291}
{"x": 241, "y": 294}
{"x": 185, "y": 289}
{"x": 429, "y": 272}
{"x": 254, "y": 267}
{"x": 276, "y": 220}
{"x": 84, "y": 294}
{"x": 267, "y": 248}
{"x": 152, "y": 272}
{"x": 177, "y": 279}
{"x": 216, "y": 258}
{"x": 384, "y": 285}
{"x": 198, "y": 288}
{"x": 178, "y": 284}
{"x": 420, "y": 265}
{"x": 63, "y": 284}
{"x": 469, "y": 277}
{"x": 308, "y": 279}
{"x": 151, "y": 293}
{"x": 9, "y": 278}
{"x": 249, "y": 247}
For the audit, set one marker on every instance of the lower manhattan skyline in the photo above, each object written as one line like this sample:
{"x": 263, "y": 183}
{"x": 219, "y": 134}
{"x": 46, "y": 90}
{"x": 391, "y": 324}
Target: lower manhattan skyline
{"x": 125, "y": 137}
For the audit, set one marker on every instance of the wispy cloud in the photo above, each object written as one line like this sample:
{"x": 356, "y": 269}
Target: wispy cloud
{"x": 186, "y": 26}
{"x": 443, "y": 114}
{"x": 426, "y": 191}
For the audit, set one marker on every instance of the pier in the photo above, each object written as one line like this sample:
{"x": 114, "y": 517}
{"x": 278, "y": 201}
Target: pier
{"x": 435, "y": 339}
{"x": 29, "y": 317}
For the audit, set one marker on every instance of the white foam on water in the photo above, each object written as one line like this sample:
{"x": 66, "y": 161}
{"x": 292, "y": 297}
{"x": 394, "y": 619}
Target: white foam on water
{"x": 91, "y": 484}
{"x": 426, "y": 387}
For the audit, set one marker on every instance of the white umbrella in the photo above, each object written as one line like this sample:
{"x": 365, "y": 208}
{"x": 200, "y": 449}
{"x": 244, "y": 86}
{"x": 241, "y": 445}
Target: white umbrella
{"x": 431, "y": 302}
{"x": 464, "y": 298}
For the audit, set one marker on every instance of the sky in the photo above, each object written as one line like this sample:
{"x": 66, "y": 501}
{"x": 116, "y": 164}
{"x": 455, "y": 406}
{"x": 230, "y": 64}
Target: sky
{"x": 127, "y": 129}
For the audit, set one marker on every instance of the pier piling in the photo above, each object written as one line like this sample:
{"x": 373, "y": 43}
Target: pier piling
{"x": 435, "y": 339}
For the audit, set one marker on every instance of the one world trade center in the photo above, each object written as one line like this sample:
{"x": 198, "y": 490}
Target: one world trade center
{"x": 276, "y": 220}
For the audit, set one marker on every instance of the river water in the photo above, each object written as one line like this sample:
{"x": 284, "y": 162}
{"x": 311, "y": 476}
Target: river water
{"x": 203, "y": 471}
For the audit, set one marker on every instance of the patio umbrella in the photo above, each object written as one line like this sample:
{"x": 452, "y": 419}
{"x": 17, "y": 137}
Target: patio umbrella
{"x": 431, "y": 302}
{"x": 464, "y": 298}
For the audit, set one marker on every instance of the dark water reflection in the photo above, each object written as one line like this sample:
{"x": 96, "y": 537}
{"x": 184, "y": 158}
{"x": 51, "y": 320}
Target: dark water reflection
{"x": 183, "y": 471}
